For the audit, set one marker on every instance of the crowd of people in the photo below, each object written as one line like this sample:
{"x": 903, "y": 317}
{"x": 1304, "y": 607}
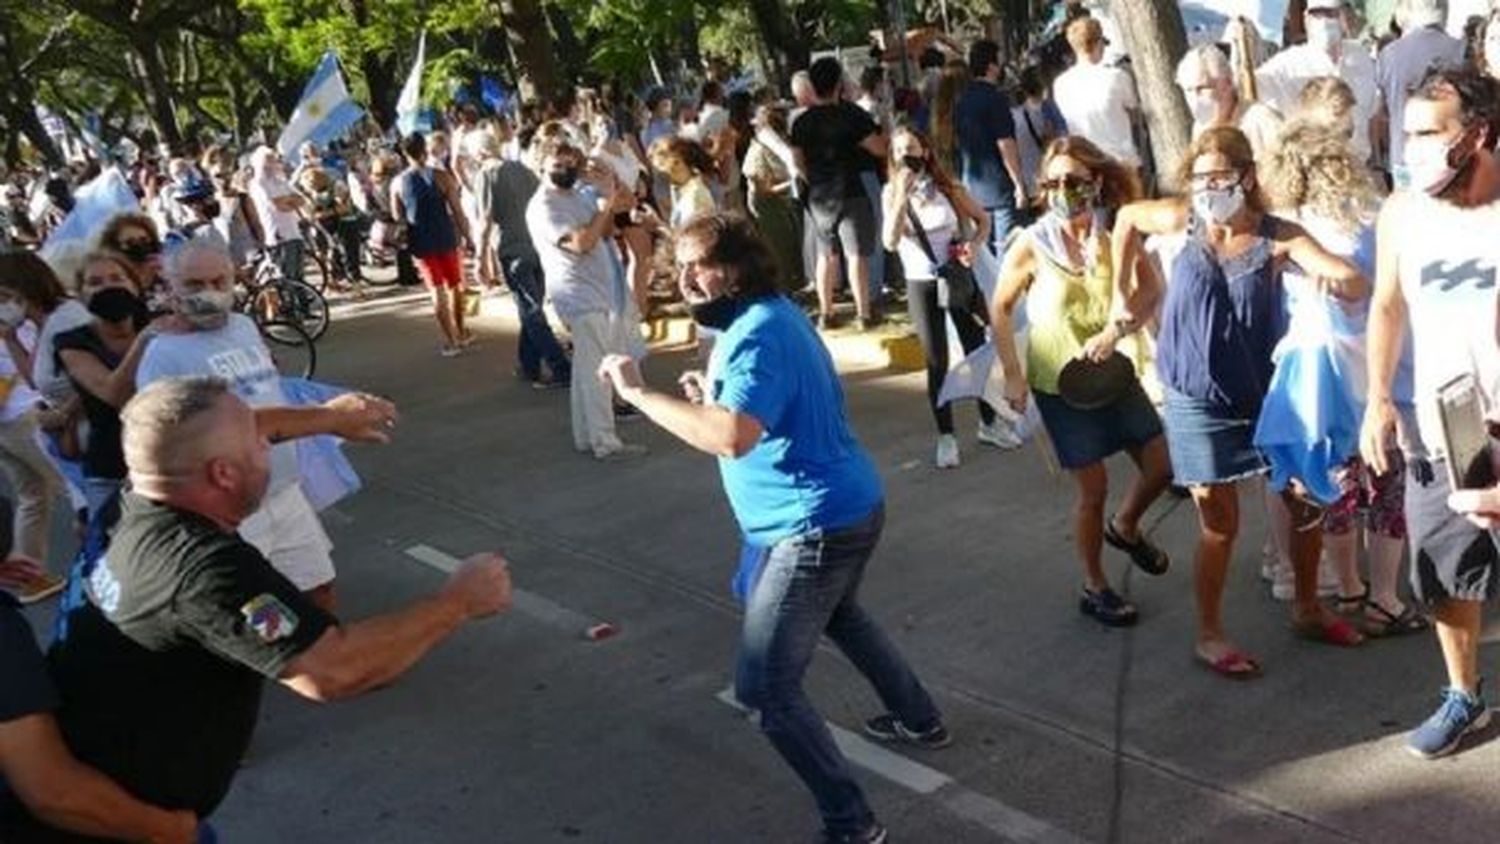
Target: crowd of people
{"x": 1302, "y": 312}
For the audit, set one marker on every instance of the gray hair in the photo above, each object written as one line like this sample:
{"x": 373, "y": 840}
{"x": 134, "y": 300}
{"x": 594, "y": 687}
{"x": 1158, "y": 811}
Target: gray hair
{"x": 1205, "y": 61}
{"x": 1416, "y": 14}
{"x": 153, "y": 420}
{"x": 176, "y": 257}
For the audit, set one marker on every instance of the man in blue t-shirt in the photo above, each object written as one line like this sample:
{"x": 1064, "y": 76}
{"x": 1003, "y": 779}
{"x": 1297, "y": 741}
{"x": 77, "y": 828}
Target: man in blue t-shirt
{"x": 807, "y": 499}
{"x": 989, "y": 160}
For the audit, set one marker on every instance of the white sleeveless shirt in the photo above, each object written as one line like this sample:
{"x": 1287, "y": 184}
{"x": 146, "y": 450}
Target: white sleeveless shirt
{"x": 939, "y": 220}
{"x": 1449, "y": 265}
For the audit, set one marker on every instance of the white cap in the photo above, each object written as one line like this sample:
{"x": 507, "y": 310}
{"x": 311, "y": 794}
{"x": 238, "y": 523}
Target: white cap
{"x": 1324, "y": 5}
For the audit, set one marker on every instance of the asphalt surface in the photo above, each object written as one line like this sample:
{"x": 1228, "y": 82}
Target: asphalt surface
{"x": 522, "y": 729}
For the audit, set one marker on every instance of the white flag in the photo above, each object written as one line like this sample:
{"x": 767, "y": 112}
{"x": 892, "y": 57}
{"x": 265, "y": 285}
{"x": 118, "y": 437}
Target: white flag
{"x": 409, "y": 104}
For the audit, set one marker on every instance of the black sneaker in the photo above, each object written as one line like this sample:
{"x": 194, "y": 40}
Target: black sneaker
{"x": 873, "y": 834}
{"x": 889, "y": 729}
{"x": 1107, "y": 607}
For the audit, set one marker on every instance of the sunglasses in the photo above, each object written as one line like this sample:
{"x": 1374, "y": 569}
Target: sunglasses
{"x": 140, "y": 248}
{"x": 1065, "y": 183}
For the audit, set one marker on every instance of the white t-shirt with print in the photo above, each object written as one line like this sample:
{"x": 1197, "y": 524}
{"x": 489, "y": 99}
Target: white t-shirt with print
{"x": 239, "y": 355}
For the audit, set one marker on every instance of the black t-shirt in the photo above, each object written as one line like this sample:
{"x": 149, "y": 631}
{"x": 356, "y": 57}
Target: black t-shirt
{"x": 161, "y": 669}
{"x": 102, "y": 455}
{"x": 829, "y": 137}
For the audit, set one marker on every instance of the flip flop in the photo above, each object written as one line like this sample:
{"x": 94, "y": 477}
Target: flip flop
{"x": 1147, "y": 557}
{"x": 1336, "y": 632}
{"x": 1388, "y": 624}
{"x": 1234, "y": 665}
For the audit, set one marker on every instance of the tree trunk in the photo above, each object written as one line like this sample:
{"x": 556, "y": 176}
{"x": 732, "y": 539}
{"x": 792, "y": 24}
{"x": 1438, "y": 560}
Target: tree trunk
{"x": 531, "y": 46}
{"x": 574, "y": 56}
{"x": 21, "y": 115}
{"x": 157, "y": 92}
{"x": 785, "y": 43}
{"x": 1155, "y": 41}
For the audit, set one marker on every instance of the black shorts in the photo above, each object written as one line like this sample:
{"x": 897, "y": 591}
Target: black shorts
{"x": 1450, "y": 556}
{"x": 850, "y": 220}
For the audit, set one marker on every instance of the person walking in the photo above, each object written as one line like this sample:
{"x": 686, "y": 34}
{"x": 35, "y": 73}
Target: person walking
{"x": 807, "y": 499}
{"x": 1436, "y": 264}
{"x": 504, "y": 189}
{"x": 1220, "y": 320}
{"x": 426, "y": 199}
{"x": 1061, "y": 266}
{"x": 937, "y": 228}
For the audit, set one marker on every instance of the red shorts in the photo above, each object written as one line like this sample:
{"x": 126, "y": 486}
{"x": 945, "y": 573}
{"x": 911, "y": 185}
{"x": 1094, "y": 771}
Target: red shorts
{"x": 445, "y": 269}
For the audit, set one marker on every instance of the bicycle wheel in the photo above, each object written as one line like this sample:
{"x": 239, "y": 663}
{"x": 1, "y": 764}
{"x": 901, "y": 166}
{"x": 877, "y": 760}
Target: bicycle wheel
{"x": 294, "y": 353}
{"x": 320, "y": 252}
{"x": 291, "y": 301}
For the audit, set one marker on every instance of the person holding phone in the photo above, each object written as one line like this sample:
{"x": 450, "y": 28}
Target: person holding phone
{"x": 1437, "y": 261}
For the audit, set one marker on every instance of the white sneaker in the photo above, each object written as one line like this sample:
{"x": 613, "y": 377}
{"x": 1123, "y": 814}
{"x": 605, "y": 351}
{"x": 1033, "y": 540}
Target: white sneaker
{"x": 625, "y": 451}
{"x": 999, "y": 435}
{"x": 947, "y": 452}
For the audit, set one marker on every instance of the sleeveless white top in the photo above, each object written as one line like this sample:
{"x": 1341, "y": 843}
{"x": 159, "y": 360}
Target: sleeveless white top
{"x": 939, "y": 220}
{"x": 1449, "y": 267}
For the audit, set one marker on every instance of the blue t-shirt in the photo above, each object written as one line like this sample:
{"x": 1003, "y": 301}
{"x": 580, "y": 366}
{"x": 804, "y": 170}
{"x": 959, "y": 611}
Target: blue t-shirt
{"x": 808, "y": 471}
{"x": 983, "y": 120}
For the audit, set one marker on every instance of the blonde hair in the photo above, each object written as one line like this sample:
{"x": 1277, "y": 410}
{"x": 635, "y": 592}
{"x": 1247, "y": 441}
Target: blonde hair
{"x": 1083, "y": 34}
{"x": 1314, "y": 168}
{"x": 1328, "y": 95}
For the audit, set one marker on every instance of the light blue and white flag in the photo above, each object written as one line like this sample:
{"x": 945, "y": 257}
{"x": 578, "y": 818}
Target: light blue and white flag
{"x": 325, "y": 111}
{"x": 409, "y": 104}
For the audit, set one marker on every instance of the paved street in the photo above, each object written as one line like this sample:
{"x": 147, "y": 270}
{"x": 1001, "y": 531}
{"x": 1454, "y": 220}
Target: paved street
{"x": 523, "y": 730}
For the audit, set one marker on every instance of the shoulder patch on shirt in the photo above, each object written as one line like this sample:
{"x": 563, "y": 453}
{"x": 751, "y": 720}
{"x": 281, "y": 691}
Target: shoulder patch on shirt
{"x": 271, "y": 619}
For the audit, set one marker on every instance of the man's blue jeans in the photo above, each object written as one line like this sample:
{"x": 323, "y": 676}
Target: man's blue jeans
{"x": 537, "y": 342}
{"x": 1002, "y": 220}
{"x": 808, "y": 585}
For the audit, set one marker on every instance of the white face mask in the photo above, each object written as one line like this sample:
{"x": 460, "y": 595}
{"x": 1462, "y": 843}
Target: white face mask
{"x": 1324, "y": 32}
{"x": 12, "y": 314}
{"x": 1426, "y": 167}
{"x": 1219, "y": 205}
{"x": 1205, "y": 109}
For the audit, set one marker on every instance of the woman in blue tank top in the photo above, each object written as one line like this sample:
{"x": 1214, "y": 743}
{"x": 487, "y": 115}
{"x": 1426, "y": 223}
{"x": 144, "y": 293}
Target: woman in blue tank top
{"x": 1219, "y": 320}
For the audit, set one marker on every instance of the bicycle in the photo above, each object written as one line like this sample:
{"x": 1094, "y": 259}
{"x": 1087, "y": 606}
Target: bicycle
{"x": 294, "y": 353}
{"x": 270, "y": 296}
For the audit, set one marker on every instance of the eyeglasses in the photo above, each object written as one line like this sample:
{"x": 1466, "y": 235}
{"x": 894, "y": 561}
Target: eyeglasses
{"x": 1068, "y": 182}
{"x": 1215, "y": 179}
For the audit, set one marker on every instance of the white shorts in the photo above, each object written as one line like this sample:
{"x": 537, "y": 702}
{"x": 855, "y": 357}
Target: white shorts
{"x": 287, "y": 531}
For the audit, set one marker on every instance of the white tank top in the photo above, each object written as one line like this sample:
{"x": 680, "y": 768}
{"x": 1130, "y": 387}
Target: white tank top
{"x": 940, "y": 221}
{"x": 1449, "y": 267}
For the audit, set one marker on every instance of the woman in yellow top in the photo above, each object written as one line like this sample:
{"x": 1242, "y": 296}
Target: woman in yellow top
{"x": 1061, "y": 265}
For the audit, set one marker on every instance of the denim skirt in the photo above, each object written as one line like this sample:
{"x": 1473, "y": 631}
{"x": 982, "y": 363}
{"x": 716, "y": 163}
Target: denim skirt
{"x": 1084, "y": 437}
{"x": 1209, "y": 443}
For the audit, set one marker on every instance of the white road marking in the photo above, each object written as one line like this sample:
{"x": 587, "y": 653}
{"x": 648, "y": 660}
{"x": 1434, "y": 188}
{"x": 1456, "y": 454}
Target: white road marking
{"x": 1008, "y": 822}
{"x": 527, "y": 603}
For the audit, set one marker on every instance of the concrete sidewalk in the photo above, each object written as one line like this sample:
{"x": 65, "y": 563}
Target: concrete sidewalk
{"x": 523, "y": 730}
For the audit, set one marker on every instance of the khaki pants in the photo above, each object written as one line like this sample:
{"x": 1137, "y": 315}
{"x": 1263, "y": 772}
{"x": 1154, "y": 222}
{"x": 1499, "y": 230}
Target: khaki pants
{"x": 594, "y": 336}
{"x": 35, "y": 483}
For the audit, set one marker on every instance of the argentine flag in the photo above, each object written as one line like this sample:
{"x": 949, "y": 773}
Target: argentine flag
{"x": 409, "y": 104}
{"x": 325, "y": 111}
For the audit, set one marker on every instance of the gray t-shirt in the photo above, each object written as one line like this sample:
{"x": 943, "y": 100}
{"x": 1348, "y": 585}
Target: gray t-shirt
{"x": 578, "y": 285}
{"x": 1401, "y": 66}
{"x": 505, "y": 188}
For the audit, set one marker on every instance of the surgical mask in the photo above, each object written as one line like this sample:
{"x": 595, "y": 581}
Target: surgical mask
{"x": 1426, "y": 167}
{"x": 1324, "y": 32}
{"x": 206, "y": 309}
{"x": 1219, "y": 205}
{"x": 1204, "y": 107}
{"x": 1067, "y": 203}
{"x": 12, "y": 314}
{"x": 116, "y": 304}
{"x": 564, "y": 178}
{"x": 716, "y": 313}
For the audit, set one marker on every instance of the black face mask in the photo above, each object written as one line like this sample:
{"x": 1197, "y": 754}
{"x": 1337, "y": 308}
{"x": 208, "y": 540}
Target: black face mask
{"x": 565, "y": 178}
{"x": 914, "y": 163}
{"x": 716, "y": 313}
{"x": 116, "y": 304}
{"x": 210, "y": 209}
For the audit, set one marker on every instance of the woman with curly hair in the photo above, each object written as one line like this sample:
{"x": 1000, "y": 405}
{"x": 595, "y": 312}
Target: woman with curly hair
{"x": 1316, "y": 179}
{"x": 1061, "y": 264}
